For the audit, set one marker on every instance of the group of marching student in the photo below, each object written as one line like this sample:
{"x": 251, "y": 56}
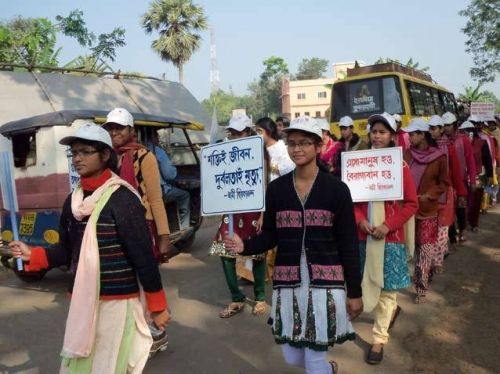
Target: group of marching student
{"x": 333, "y": 258}
{"x": 317, "y": 250}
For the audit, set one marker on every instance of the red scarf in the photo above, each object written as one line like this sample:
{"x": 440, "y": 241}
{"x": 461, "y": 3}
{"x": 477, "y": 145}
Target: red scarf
{"x": 127, "y": 171}
{"x": 93, "y": 183}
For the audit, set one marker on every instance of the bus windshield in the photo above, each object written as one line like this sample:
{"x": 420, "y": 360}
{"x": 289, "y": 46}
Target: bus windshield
{"x": 361, "y": 98}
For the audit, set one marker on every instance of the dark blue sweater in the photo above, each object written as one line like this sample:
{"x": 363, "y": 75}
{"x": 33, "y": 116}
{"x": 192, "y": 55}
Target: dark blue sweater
{"x": 324, "y": 226}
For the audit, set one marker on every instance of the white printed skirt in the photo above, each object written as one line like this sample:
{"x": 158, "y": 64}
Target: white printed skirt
{"x": 314, "y": 318}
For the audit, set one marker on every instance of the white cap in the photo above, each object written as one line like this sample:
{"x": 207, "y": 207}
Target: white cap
{"x": 396, "y": 117}
{"x": 89, "y": 131}
{"x": 435, "y": 120}
{"x": 466, "y": 125}
{"x": 417, "y": 124}
{"x": 120, "y": 116}
{"x": 449, "y": 118}
{"x": 346, "y": 121}
{"x": 323, "y": 123}
{"x": 239, "y": 122}
{"x": 474, "y": 118}
{"x": 306, "y": 124}
{"x": 384, "y": 118}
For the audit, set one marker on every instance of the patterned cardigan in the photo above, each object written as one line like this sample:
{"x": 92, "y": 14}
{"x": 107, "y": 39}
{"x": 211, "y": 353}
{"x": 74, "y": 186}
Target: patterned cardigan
{"x": 324, "y": 227}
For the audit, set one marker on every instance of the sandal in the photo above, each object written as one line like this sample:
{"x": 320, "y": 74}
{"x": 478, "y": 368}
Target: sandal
{"x": 231, "y": 310}
{"x": 259, "y": 308}
{"x": 335, "y": 367}
{"x": 375, "y": 358}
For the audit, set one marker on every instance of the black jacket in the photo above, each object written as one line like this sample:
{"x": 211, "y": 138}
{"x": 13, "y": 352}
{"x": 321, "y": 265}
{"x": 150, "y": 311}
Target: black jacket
{"x": 324, "y": 227}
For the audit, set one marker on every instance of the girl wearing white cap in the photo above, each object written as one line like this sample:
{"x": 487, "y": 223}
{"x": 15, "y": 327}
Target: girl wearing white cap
{"x": 468, "y": 172}
{"x": 484, "y": 164}
{"x": 102, "y": 235}
{"x": 245, "y": 225}
{"x": 456, "y": 194}
{"x": 139, "y": 167}
{"x": 316, "y": 280}
{"x": 429, "y": 167}
{"x": 383, "y": 249}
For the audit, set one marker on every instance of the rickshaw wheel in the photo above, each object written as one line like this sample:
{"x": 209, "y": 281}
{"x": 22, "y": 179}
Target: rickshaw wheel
{"x": 32, "y": 276}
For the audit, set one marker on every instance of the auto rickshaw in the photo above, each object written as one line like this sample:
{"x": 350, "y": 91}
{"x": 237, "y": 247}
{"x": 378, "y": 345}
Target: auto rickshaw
{"x": 44, "y": 174}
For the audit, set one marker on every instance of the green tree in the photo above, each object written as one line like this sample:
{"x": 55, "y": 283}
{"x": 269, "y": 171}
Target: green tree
{"x": 483, "y": 43}
{"x": 226, "y": 102}
{"x": 267, "y": 90}
{"x": 178, "y": 23}
{"x": 471, "y": 94}
{"x": 416, "y": 65}
{"x": 32, "y": 41}
{"x": 312, "y": 68}
{"x": 28, "y": 41}
{"x": 490, "y": 97}
{"x": 410, "y": 63}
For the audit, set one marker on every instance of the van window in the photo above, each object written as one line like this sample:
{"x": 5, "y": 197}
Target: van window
{"x": 24, "y": 149}
{"x": 361, "y": 98}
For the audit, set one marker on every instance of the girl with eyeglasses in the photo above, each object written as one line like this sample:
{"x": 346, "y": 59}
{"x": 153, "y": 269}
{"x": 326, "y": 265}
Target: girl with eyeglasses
{"x": 309, "y": 217}
{"x": 103, "y": 243}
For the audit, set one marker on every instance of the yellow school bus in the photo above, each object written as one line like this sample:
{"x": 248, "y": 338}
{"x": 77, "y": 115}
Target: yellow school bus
{"x": 391, "y": 88}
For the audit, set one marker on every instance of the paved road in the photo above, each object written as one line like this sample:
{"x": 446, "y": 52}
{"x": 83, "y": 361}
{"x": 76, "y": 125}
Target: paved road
{"x": 32, "y": 323}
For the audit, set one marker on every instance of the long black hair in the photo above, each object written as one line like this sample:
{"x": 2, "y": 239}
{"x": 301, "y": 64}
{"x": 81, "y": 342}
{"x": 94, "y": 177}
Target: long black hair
{"x": 268, "y": 125}
{"x": 101, "y": 148}
{"x": 392, "y": 143}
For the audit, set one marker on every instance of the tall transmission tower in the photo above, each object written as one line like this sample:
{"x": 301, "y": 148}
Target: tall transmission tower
{"x": 214, "y": 72}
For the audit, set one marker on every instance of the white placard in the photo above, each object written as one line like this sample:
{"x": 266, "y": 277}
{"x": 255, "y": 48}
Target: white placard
{"x": 485, "y": 111}
{"x": 232, "y": 177}
{"x": 374, "y": 174}
{"x": 74, "y": 177}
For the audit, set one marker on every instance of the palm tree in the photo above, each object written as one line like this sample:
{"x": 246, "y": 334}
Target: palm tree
{"x": 178, "y": 22}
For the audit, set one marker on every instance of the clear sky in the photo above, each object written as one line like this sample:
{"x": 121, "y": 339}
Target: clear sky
{"x": 247, "y": 32}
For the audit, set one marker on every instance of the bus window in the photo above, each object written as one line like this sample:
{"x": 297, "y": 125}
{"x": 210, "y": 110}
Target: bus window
{"x": 360, "y": 98}
{"x": 421, "y": 101}
{"x": 438, "y": 102}
{"x": 449, "y": 102}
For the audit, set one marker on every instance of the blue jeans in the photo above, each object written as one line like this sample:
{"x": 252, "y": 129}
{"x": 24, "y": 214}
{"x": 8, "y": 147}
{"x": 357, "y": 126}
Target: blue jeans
{"x": 182, "y": 198}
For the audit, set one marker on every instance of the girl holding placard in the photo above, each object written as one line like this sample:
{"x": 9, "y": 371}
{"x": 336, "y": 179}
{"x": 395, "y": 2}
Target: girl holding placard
{"x": 316, "y": 281}
{"x": 245, "y": 225}
{"x": 383, "y": 248}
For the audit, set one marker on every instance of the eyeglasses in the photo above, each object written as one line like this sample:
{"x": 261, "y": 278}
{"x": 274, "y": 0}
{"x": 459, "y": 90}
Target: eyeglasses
{"x": 82, "y": 153}
{"x": 301, "y": 145}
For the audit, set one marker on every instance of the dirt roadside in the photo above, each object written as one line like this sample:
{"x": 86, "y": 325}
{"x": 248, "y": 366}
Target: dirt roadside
{"x": 459, "y": 327}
